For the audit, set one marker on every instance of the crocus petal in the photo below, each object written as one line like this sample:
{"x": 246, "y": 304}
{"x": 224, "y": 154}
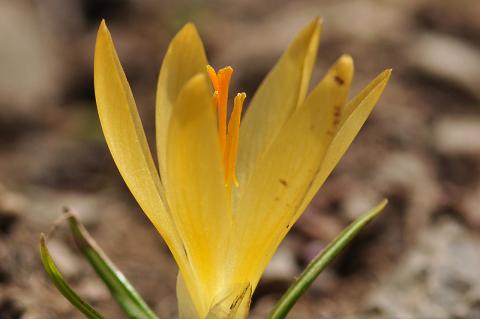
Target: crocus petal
{"x": 280, "y": 181}
{"x": 282, "y": 91}
{"x": 185, "y": 57}
{"x": 356, "y": 113}
{"x": 186, "y": 307}
{"x": 234, "y": 304}
{"x": 126, "y": 139}
{"x": 376, "y": 84}
{"x": 196, "y": 190}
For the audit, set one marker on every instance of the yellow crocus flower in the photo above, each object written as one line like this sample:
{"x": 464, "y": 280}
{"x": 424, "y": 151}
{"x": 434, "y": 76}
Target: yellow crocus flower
{"x": 224, "y": 195}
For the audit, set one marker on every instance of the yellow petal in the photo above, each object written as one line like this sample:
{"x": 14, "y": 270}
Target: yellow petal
{"x": 379, "y": 82}
{"x": 234, "y": 304}
{"x": 186, "y": 307}
{"x": 196, "y": 189}
{"x": 126, "y": 139}
{"x": 185, "y": 57}
{"x": 280, "y": 180}
{"x": 356, "y": 113}
{"x": 282, "y": 91}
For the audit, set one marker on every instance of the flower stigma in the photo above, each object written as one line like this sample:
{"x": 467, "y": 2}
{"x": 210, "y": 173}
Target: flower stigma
{"x": 228, "y": 134}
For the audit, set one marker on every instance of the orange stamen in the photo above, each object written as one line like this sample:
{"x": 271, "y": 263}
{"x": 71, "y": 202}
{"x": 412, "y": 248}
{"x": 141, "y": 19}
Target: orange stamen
{"x": 213, "y": 77}
{"x": 232, "y": 138}
{"x": 228, "y": 139}
{"x": 224, "y": 76}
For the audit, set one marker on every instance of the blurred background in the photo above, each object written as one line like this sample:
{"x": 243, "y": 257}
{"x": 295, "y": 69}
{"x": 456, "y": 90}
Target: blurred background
{"x": 420, "y": 148}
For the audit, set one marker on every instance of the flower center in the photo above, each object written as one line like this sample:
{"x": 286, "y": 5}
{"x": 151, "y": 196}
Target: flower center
{"x": 227, "y": 134}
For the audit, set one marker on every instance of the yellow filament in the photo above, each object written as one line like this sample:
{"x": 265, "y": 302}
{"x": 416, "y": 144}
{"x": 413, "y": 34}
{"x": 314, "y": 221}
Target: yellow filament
{"x": 228, "y": 136}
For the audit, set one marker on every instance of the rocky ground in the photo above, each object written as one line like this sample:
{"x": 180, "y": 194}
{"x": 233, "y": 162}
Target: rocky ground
{"x": 420, "y": 148}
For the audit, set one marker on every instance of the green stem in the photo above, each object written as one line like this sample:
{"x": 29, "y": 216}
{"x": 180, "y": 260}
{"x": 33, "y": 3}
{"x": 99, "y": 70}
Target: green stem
{"x": 62, "y": 285}
{"x": 298, "y": 288}
{"x": 124, "y": 293}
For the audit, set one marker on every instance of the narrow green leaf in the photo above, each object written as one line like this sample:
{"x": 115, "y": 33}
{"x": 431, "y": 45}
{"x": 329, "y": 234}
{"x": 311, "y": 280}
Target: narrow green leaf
{"x": 62, "y": 285}
{"x": 318, "y": 264}
{"x": 120, "y": 288}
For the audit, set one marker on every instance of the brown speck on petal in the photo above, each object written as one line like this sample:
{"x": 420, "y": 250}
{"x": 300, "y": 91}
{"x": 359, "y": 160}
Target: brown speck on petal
{"x": 339, "y": 80}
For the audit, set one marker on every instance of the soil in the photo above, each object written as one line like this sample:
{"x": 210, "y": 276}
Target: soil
{"x": 420, "y": 148}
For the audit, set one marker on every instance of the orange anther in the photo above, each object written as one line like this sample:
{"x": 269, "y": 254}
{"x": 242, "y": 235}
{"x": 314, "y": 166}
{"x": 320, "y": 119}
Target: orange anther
{"x": 228, "y": 138}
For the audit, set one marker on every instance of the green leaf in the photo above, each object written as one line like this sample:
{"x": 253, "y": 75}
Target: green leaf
{"x": 318, "y": 264}
{"x": 62, "y": 285}
{"x": 123, "y": 292}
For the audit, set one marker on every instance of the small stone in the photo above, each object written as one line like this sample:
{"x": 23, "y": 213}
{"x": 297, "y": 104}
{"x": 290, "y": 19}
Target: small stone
{"x": 93, "y": 289}
{"x": 282, "y": 266}
{"x": 457, "y": 135}
{"x": 447, "y": 58}
{"x": 69, "y": 263}
{"x": 438, "y": 278}
{"x": 29, "y": 68}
